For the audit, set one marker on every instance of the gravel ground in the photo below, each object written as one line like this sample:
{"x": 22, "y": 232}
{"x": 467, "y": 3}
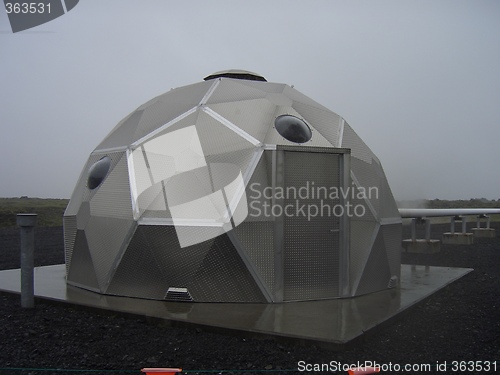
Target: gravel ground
{"x": 460, "y": 323}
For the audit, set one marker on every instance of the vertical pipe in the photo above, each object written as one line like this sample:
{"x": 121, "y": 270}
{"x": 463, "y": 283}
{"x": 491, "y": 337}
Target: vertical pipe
{"x": 478, "y": 222}
{"x": 488, "y": 221}
{"x": 27, "y": 223}
{"x": 414, "y": 230}
{"x": 464, "y": 224}
{"x": 452, "y": 225}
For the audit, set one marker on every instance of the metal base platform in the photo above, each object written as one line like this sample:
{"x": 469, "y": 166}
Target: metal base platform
{"x": 331, "y": 323}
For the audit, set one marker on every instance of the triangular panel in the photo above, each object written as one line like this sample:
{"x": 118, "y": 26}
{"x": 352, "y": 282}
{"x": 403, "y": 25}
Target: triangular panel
{"x": 169, "y": 106}
{"x": 123, "y": 134}
{"x": 255, "y": 117}
{"x": 105, "y": 236}
{"x": 325, "y": 122}
{"x": 376, "y": 274}
{"x": 81, "y": 272}
{"x": 138, "y": 274}
{"x": 112, "y": 198}
{"x": 224, "y": 277}
{"x": 217, "y": 138}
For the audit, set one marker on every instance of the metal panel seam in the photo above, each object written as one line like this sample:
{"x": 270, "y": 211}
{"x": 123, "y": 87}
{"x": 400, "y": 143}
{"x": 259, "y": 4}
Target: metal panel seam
{"x": 340, "y": 136}
{"x": 366, "y": 200}
{"x": 231, "y": 126}
{"x": 250, "y": 266}
{"x": 372, "y": 242}
{"x": 163, "y": 127}
{"x": 132, "y": 183}
{"x": 209, "y": 92}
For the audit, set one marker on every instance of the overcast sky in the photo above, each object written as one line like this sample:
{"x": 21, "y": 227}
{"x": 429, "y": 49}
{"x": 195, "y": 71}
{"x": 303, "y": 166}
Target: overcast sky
{"x": 419, "y": 81}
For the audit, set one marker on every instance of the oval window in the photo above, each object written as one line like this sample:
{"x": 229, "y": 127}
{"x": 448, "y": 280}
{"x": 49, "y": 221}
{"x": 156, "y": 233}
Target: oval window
{"x": 98, "y": 172}
{"x": 293, "y": 128}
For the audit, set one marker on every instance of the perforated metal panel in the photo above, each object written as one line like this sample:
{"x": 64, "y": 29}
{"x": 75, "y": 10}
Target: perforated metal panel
{"x": 368, "y": 182}
{"x": 83, "y": 216}
{"x": 138, "y": 274}
{"x": 325, "y": 122}
{"x": 387, "y": 207}
{"x": 359, "y": 149}
{"x": 112, "y": 198}
{"x": 224, "y": 277}
{"x": 169, "y": 106}
{"x": 81, "y": 191}
{"x": 376, "y": 274}
{"x": 123, "y": 135}
{"x": 81, "y": 270}
{"x": 256, "y": 233}
{"x": 252, "y": 116}
{"x": 167, "y": 265}
{"x": 216, "y": 138}
{"x": 311, "y": 243}
{"x": 105, "y": 237}
{"x": 392, "y": 239}
{"x": 363, "y": 235}
{"x": 69, "y": 224}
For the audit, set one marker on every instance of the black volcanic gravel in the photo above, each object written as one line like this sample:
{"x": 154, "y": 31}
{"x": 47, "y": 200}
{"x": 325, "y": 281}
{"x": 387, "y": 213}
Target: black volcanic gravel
{"x": 460, "y": 323}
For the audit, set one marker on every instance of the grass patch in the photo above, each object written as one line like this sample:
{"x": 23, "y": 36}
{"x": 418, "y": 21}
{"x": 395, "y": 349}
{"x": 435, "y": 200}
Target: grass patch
{"x": 50, "y": 211}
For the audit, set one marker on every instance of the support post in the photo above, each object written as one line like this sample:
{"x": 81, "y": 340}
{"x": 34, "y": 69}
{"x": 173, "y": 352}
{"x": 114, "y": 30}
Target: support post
{"x": 414, "y": 230}
{"x": 427, "y": 245}
{"x": 460, "y": 238}
{"x": 486, "y": 232}
{"x": 27, "y": 224}
{"x": 427, "y": 229}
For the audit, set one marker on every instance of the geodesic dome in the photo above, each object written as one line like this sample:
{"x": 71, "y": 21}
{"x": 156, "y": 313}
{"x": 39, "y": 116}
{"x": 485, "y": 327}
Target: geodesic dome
{"x": 233, "y": 189}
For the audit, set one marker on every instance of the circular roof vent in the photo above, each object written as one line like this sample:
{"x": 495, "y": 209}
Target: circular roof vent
{"x": 293, "y": 128}
{"x": 98, "y": 172}
{"x": 236, "y": 74}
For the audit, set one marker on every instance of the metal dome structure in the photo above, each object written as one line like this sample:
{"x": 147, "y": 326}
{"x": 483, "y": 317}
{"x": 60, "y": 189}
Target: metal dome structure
{"x": 233, "y": 189}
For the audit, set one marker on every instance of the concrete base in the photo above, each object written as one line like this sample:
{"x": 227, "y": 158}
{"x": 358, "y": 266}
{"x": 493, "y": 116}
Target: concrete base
{"x": 484, "y": 232}
{"x": 422, "y": 246}
{"x": 458, "y": 238}
{"x": 330, "y": 323}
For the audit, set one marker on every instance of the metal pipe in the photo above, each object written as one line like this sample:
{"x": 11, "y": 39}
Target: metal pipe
{"x": 432, "y": 212}
{"x": 414, "y": 230}
{"x": 27, "y": 223}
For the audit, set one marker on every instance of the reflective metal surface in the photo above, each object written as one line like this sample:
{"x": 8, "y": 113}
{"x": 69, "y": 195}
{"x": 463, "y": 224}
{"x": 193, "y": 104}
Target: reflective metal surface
{"x": 187, "y": 160}
{"x": 327, "y": 322}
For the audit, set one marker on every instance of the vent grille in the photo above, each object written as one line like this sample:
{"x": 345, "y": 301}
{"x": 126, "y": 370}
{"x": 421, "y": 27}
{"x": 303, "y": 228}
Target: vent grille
{"x": 178, "y": 294}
